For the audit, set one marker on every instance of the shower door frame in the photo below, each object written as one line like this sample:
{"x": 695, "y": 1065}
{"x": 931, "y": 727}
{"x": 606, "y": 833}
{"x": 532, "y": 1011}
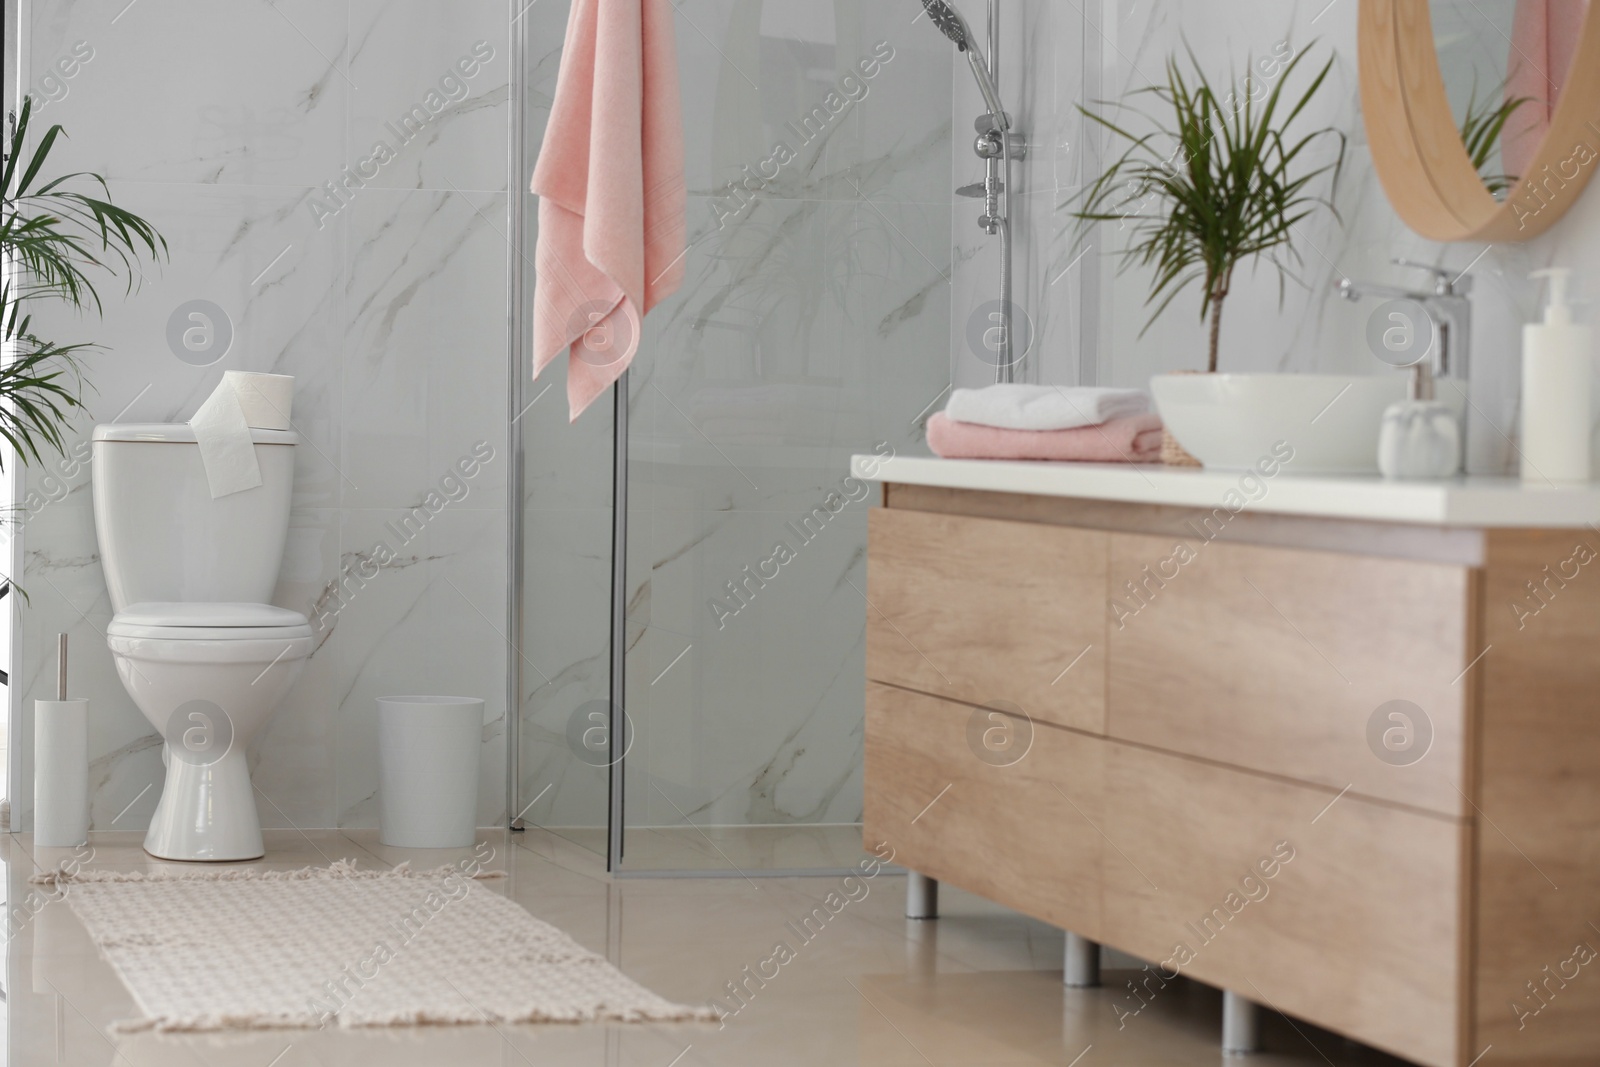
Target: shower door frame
{"x": 517, "y": 341}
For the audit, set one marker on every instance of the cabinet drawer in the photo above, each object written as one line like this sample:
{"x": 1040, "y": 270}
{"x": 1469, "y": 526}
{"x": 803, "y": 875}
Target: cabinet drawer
{"x": 990, "y": 612}
{"x": 1280, "y": 659}
{"x": 1361, "y": 931}
{"x": 1022, "y": 834}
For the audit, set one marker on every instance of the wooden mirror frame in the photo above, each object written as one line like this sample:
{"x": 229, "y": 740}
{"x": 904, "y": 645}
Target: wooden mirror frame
{"x": 1416, "y": 146}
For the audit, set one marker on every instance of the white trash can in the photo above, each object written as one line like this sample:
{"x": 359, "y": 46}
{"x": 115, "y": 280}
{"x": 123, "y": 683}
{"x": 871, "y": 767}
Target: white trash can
{"x": 428, "y": 771}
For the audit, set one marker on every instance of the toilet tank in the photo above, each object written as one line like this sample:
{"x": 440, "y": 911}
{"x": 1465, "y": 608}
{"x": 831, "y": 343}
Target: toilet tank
{"x": 163, "y": 538}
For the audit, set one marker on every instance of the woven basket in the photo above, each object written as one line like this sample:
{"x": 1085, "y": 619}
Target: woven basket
{"x": 1172, "y": 453}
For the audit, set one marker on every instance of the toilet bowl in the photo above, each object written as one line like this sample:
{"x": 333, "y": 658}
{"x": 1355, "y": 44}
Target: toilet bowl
{"x": 207, "y": 676}
{"x": 197, "y": 646}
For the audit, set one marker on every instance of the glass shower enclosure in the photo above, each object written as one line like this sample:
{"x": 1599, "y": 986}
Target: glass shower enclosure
{"x": 690, "y": 559}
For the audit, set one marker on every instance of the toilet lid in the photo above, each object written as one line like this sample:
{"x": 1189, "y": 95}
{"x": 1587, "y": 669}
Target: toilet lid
{"x": 208, "y": 621}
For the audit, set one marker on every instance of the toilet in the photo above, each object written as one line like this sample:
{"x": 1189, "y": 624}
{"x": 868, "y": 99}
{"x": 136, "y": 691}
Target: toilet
{"x": 196, "y": 644}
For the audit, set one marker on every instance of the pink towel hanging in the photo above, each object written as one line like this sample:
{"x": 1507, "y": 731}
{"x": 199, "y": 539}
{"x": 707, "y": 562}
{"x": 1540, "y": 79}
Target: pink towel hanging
{"x": 611, "y": 192}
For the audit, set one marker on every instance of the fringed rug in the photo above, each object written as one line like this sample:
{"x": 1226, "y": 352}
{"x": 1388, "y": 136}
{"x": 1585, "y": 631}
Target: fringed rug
{"x": 337, "y": 946}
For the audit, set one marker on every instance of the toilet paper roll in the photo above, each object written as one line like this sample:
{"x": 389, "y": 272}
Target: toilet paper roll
{"x": 222, "y": 427}
{"x": 60, "y": 772}
{"x": 265, "y": 398}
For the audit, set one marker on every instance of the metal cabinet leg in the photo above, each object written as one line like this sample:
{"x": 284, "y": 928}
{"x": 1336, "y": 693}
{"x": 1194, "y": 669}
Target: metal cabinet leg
{"x": 1081, "y": 962}
{"x": 922, "y": 896}
{"x": 1240, "y": 1025}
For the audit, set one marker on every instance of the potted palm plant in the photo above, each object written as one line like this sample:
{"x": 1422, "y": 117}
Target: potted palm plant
{"x": 1214, "y": 182}
{"x": 55, "y": 241}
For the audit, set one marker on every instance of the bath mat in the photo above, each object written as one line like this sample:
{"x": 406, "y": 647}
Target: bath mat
{"x": 338, "y": 946}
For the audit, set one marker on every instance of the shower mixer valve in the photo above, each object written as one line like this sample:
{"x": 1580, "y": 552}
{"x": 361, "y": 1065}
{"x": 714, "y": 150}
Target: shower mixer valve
{"x": 991, "y": 144}
{"x": 988, "y": 143}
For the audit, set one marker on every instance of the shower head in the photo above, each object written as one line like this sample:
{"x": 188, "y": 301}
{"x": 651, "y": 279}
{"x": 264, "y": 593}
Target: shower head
{"x": 949, "y": 22}
{"x": 952, "y": 25}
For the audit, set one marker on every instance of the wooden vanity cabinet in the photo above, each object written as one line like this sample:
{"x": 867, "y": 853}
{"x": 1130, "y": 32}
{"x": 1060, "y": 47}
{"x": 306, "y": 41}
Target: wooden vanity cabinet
{"x": 1203, "y": 707}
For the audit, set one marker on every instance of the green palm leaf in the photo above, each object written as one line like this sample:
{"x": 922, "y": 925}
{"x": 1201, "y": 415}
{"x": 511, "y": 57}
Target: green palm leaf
{"x": 55, "y": 240}
{"x": 1227, "y": 190}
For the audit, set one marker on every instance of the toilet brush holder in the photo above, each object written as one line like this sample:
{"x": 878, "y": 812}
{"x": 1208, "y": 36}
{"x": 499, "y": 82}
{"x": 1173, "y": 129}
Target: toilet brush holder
{"x": 61, "y": 765}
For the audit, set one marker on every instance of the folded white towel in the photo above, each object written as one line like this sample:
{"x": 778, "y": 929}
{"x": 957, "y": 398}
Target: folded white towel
{"x": 1044, "y": 407}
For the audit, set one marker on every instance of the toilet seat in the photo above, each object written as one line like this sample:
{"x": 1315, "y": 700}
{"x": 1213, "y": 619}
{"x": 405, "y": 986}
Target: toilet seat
{"x": 208, "y": 621}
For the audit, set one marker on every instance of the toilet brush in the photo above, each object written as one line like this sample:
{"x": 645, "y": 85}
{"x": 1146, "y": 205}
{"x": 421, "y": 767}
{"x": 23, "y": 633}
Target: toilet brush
{"x": 61, "y": 764}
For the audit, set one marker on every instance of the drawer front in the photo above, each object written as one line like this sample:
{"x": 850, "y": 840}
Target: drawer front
{"x": 1281, "y": 659}
{"x": 1005, "y": 614}
{"x": 1022, "y": 834}
{"x": 1359, "y": 929}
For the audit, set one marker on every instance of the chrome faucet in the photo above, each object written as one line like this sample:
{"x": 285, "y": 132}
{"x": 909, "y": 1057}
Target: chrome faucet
{"x": 1448, "y": 306}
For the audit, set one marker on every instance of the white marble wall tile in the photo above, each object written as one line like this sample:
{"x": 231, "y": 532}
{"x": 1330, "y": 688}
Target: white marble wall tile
{"x": 198, "y": 92}
{"x": 466, "y": 649}
{"x": 565, "y": 662}
{"x": 760, "y": 721}
{"x": 425, "y": 351}
{"x": 894, "y": 316}
{"x": 753, "y": 73}
{"x": 224, "y": 148}
{"x": 749, "y": 69}
{"x": 293, "y": 761}
{"x": 804, "y": 332}
{"x": 902, "y": 125}
{"x": 429, "y": 622}
{"x": 257, "y": 255}
{"x": 567, "y": 465}
{"x": 452, "y": 60}
{"x": 381, "y": 619}
{"x": 65, "y": 592}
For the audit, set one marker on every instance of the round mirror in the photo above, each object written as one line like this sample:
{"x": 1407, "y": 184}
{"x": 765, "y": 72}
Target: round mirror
{"x": 1483, "y": 115}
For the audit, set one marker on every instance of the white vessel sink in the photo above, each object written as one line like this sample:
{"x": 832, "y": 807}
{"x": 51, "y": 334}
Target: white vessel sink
{"x": 1232, "y": 421}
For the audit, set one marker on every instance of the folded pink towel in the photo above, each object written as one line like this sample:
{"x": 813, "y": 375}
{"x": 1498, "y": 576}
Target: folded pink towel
{"x": 1135, "y": 439}
{"x": 611, "y": 192}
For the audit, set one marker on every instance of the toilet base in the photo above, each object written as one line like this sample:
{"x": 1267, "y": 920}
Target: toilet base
{"x": 207, "y": 813}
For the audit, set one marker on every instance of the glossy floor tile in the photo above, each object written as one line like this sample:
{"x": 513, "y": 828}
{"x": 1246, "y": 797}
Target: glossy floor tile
{"x": 981, "y": 986}
{"x": 733, "y": 850}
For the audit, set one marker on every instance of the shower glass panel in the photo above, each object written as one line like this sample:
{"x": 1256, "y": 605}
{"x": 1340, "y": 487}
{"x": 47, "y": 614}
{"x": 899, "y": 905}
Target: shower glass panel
{"x": 564, "y": 628}
{"x": 813, "y": 323}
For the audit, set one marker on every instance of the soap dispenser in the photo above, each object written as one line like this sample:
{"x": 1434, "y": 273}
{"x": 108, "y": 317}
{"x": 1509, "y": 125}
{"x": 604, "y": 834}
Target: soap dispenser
{"x": 1420, "y": 437}
{"x": 1555, "y": 390}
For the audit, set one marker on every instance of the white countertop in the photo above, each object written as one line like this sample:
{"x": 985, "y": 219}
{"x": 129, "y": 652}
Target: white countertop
{"x": 1474, "y": 502}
